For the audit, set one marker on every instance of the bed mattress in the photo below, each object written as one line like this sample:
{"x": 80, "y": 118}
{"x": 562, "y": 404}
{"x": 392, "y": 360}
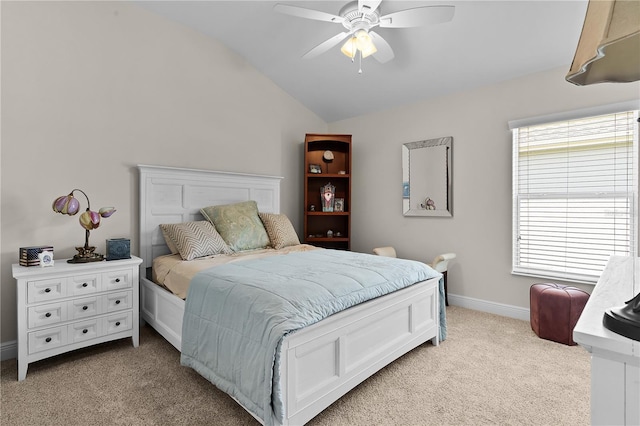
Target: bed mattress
{"x": 175, "y": 274}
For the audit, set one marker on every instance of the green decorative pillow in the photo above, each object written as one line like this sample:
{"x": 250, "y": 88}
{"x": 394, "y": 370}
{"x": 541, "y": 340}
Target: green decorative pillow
{"x": 239, "y": 225}
{"x": 195, "y": 239}
{"x": 280, "y": 230}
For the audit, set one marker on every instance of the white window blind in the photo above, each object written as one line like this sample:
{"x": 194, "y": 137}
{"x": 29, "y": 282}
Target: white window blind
{"x": 575, "y": 188}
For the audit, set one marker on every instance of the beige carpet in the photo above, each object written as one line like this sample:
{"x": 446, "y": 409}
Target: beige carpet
{"x": 490, "y": 370}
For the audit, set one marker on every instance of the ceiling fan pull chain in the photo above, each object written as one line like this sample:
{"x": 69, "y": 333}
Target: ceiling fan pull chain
{"x": 360, "y": 70}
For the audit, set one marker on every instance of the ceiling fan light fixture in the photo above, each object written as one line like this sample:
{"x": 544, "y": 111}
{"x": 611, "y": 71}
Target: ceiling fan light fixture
{"x": 365, "y": 44}
{"x": 350, "y": 48}
{"x": 361, "y": 41}
{"x": 370, "y": 50}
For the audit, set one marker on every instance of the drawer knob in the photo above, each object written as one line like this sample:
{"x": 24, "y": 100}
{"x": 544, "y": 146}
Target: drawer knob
{"x": 117, "y": 323}
{"x": 117, "y": 280}
{"x": 84, "y": 284}
{"x": 47, "y": 290}
{"x": 117, "y": 302}
{"x": 48, "y": 314}
{"x": 48, "y": 339}
{"x": 84, "y": 308}
{"x": 85, "y": 331}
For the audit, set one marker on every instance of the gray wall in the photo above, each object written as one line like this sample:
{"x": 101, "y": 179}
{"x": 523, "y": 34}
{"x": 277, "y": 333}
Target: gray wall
{"x": 91, "y": 89}
{"x": 480, "y": 230}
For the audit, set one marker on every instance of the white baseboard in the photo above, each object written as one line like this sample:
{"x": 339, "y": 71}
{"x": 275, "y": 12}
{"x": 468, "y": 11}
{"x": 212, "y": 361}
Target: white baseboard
{"x": 490, "y": 307}
{"x": 8, "y": 350}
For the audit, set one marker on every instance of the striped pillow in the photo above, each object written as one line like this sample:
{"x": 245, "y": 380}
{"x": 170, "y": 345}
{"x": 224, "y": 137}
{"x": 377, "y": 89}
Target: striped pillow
{"x": 195, "y": 239}
{"x": 169, "y": 241}
{"x": 280, "y": 230}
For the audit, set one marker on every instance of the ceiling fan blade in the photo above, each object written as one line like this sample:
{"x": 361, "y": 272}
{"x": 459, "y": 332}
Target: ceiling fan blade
{"x": 385, "y": 52}
{"x": 302, "y": 12}
{"x": 326, "y": 45}
{"x": 426, "y": 15}
{"x": 371, "y": 4}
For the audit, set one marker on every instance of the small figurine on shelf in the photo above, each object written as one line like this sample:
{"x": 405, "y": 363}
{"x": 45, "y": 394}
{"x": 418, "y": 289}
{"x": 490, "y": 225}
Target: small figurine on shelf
{"x": 330, "y": 233}
{"x": 327, "y": 193}
{"x": 428, "y": 204}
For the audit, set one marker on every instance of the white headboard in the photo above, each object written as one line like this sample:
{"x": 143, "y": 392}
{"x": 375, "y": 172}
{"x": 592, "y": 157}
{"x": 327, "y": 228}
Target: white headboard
{"x": 173, "y": 195}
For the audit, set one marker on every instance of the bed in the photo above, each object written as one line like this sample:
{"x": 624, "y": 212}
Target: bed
{"x": 316, "y": 364}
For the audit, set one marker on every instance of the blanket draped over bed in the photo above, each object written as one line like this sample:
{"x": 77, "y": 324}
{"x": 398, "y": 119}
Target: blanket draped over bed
{"x": 237, "y": 314}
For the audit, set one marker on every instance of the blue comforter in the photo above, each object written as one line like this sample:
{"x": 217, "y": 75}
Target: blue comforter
{"x": 237, "y": 314}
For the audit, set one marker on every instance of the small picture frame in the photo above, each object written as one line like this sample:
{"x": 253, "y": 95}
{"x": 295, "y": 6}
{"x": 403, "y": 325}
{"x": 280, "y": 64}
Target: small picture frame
{"x": 45, "y": 258}
{"x": 315, "y": 168}
{"x": 338, "y": 205}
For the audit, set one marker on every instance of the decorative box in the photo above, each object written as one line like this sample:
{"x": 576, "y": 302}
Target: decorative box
{"x": 29, "y": 255}
{"x": 118, "y": 248}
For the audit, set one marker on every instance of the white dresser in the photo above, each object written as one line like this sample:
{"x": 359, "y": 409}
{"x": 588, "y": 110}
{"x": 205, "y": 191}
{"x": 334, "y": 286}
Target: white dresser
{"x": 615, "y": 359}
{"x": 69, "y": 306}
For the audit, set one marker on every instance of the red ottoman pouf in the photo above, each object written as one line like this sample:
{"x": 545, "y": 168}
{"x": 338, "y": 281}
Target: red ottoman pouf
{"x": 555, "y": 310}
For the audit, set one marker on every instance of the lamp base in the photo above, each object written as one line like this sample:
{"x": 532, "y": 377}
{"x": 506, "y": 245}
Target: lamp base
{"x": 85, "y": 255}
{"x": 624, "y": 320}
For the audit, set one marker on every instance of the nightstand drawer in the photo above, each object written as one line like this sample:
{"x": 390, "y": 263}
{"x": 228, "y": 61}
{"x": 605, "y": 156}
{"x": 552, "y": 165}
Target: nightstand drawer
{"x": 43, "y": 290}
{"x": 117, "y": 322}
{"x": 47, "y": 314}
{"x": 82, "y": 308}
{"x": 84, "y": 284}
{"x": 118, "y": 301}
{"x": 116, "y": 279}
{"x": 84, "y": 330}
{"x": 50, "y": 338}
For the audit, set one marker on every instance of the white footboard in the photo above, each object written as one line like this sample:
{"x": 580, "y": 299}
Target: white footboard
{"x": 323, "y": 362}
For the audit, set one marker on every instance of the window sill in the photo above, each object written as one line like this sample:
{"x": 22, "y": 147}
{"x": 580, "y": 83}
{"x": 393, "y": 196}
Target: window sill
{"x": 565, "y": 278}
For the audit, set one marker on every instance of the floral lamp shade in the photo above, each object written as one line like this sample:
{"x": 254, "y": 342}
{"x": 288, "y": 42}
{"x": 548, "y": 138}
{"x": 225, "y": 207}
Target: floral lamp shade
{"x": 89, "y": 220}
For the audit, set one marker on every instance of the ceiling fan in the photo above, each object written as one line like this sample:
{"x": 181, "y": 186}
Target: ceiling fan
{"x": 359, "y": 18}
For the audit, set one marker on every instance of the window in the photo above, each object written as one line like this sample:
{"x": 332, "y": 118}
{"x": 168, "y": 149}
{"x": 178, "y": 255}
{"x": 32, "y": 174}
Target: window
{"x": 575, "y": 189}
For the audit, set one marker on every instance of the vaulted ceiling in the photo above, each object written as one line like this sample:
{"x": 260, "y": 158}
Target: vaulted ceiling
{"x": 485, "y": 43}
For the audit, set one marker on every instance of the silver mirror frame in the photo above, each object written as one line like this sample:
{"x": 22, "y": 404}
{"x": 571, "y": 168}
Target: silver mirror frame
{"x": 439, "y": 153}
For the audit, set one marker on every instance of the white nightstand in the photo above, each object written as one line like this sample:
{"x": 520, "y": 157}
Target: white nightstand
{"x": 70, "y": 306}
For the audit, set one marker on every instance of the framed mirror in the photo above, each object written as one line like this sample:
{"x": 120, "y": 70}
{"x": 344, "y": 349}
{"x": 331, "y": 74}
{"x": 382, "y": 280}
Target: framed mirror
{"x": 427, "y": 170}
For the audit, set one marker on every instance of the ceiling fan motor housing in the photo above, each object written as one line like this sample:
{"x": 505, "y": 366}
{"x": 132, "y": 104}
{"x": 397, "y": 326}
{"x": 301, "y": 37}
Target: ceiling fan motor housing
{"x": 355, "y": 19}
